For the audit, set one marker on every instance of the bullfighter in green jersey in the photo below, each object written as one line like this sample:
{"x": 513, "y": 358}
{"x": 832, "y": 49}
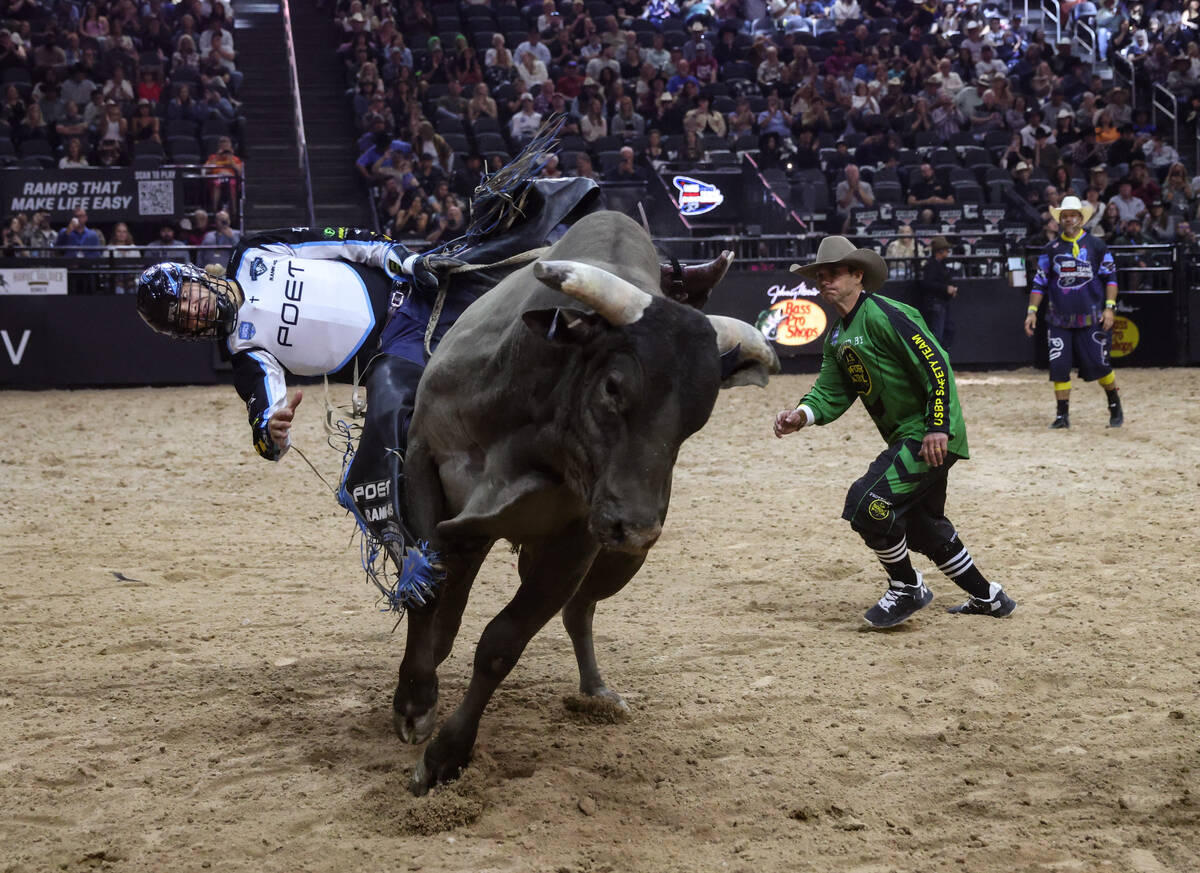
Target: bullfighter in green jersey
{"x": 883, "y": 352}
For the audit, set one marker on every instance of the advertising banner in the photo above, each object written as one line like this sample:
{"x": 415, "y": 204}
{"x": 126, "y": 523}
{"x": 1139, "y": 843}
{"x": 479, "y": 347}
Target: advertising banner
{"x": 52, "y": 280}
{"x": 783, "y": 306}
{"x": 60, "y": 341}
{"x": 1144, "y": 329}
{"x": 988, "y": 316}
{"x": 108, "y": 194}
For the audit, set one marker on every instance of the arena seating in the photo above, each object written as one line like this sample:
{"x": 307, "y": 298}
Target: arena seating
{"x": 970, "y": 148}
{"x": 55, "y": 54}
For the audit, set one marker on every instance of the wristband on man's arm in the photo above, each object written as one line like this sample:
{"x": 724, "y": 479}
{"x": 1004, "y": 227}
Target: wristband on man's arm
{"x": 1110, "y": 304}
{"x": 805, "y": 410}
{"x": 1031, "y": 310}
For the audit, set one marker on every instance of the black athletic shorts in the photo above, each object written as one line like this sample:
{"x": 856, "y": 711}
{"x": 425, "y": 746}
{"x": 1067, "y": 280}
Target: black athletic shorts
{"x": 1084, "y": 348}
{"x": 901, "y": 495}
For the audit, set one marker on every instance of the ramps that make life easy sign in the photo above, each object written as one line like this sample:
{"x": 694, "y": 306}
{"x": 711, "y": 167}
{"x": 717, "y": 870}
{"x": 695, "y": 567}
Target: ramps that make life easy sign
{"x": 107, "y": 193}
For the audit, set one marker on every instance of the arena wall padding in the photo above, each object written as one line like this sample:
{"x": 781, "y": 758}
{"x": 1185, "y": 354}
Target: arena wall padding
{"x": 1145, "y": 330}
{"x": 1193, "y": 332}
{"x": 65, "y": 341}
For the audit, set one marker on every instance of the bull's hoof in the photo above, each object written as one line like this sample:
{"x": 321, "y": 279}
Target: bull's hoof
{"x": 420, "y": 783}
{"x": 414, "y": 729}
{"x": 605, "y": 696}
{"x": 598, "y": 706}
{"x": 431, "y": 771}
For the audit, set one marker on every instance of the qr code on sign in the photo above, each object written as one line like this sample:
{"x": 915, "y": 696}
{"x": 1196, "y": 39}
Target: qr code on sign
{"x": 156, "y": 197}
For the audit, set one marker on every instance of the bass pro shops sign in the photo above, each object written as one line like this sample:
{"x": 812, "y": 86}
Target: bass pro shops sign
{"x": 787, "y": 311}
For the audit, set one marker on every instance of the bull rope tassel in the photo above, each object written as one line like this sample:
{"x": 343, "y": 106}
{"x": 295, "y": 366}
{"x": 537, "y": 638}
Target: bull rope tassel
{"x": 418, "y": 571}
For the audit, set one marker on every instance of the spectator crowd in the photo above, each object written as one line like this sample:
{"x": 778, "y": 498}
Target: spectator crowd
{"x": 924, "y": 107}
{"x": 845, "y": 107}
{"x": 118, "y": 83}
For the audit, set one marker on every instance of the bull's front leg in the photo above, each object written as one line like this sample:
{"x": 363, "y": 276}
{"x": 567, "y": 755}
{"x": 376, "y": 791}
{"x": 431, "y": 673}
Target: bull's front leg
{"x": 550, "y": 572}
{"x": 609, "y": 574}
{"x": 432, "y": 630}
{"x": 433, "y": 627}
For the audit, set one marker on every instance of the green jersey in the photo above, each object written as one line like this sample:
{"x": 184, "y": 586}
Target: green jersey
{"x": 883, "y": 352}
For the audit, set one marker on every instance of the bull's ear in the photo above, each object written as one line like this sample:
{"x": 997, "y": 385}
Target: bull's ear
{"x": 565, "y": 326}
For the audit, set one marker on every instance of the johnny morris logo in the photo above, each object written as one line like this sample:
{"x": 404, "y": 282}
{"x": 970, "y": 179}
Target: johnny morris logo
{"x": 696, "y": 197}
{"x": 257, "y": 268}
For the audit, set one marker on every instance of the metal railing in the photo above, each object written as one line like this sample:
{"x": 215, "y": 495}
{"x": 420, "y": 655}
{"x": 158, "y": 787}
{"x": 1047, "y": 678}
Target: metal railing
{"x": 1052, "y": 11}
{"x": 110, "y": 269}
{"x": 982, "y": 254}
{"x": 774, "y": 202}
{"x": 1085, "y": 36}
{"x": 301, "y": 139}
{"x": 1163, "y": 100}
{"x": 1148, "y": 269}
{"x": 1124, "y": 73}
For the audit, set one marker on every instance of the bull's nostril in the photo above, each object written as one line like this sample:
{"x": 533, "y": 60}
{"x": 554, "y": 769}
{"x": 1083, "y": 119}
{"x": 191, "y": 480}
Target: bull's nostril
{"x": 618, "y": 532}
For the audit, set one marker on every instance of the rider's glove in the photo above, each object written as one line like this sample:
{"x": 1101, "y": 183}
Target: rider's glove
{"x": 402, "y": 263}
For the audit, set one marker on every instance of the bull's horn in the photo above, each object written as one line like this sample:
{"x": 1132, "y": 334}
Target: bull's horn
{"x": 756, "y": 360}
{"x": 616, "y": 301}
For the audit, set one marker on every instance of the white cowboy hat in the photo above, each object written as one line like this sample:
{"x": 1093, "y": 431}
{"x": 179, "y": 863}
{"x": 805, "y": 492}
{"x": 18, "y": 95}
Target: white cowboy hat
{"x": 1073, "y": 203}
{"x": 839, "y": 250}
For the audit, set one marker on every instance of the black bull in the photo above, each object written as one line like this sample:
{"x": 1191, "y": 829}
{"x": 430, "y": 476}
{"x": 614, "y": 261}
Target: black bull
{"x": 554, "y": 422}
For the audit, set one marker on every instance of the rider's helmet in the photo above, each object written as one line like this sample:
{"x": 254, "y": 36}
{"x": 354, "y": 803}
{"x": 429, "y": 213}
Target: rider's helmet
{"x": 185, "y": 302}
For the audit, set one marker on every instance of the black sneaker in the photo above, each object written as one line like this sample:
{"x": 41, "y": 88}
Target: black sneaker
{"x": 1061, "y": 422}
{"x": 1000, "y": 606}
{"x": 1116, "y": 417}
{"x": 899, "y": 603}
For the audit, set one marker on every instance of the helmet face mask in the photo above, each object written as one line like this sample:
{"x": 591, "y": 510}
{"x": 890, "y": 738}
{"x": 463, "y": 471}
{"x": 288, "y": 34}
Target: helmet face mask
{"x": 185, "y": 302}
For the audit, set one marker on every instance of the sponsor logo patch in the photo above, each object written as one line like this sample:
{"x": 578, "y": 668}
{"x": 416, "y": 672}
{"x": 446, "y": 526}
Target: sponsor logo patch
{"x": 257, "y": 268}
{"x": 1073, "y": 272}
{"x": 879, "y": 509}
{"x": 860, "y": 377}
{"x": 246, "y": 330}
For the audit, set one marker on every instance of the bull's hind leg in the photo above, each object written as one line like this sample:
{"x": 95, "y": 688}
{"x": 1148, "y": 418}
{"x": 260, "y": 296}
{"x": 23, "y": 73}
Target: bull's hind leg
{"x": 609, "y": 573}
{"x": 550, "y": 572}
{"x": 432, "y": 630}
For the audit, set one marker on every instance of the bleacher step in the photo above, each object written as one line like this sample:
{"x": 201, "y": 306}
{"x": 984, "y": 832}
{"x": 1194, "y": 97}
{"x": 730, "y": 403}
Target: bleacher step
{"x": 338, "y": 195}
{"x": 275, "y": 193}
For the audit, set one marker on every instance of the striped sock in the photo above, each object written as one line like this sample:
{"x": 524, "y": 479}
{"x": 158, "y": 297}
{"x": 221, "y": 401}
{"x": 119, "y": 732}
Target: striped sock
{"x": 961, "y": 570}
{"x": 896, "y": 562}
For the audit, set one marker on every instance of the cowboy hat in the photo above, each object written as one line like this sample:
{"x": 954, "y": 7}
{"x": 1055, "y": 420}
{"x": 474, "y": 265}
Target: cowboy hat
{"x": 1073, "y": 203}
{"x": 839, "y": 250}
{"x": 939, "y": 243}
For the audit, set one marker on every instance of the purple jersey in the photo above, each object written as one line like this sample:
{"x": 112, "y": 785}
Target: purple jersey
{"x": 1074, "y": 284}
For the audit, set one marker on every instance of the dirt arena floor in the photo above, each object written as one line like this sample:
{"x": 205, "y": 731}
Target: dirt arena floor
{"x": 195, "y": 674}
